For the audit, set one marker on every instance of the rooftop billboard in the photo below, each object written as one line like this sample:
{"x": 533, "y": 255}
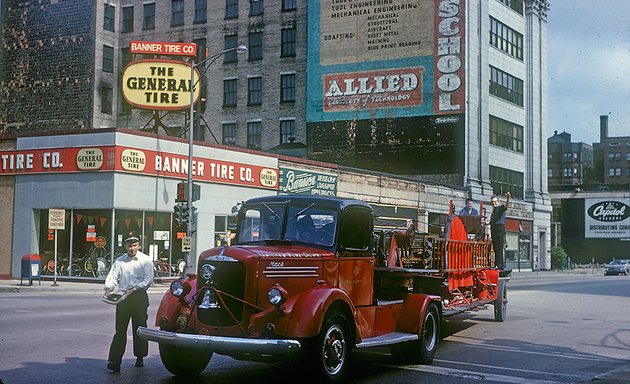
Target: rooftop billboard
{"x": 385, "y": 58}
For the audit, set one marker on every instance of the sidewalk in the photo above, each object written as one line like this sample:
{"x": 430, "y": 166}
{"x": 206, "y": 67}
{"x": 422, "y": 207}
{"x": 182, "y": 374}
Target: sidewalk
{"x": 69, "y": 286}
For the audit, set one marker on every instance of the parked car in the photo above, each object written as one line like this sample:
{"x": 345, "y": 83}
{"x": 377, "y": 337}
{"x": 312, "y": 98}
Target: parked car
{"x": 618, "y": 267}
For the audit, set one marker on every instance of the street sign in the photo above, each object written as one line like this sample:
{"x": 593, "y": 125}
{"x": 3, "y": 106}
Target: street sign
{"x": 186, "y": 244}
{"x": 163, "y": 48}
{"x": 56, "y": 218}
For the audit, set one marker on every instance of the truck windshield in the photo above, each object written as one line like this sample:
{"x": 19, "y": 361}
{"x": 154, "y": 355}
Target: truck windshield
{"x": 310, "y": 224}
{"x": 305, "y": 224}
{"x": 262, "y": 222}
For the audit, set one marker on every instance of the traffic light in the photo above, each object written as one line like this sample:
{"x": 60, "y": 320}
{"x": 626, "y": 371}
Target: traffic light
{"x": 181, "y": 192}
{"x": 184, "y": 210}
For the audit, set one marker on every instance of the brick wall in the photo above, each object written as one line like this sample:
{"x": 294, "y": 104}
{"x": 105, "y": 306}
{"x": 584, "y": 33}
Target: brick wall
{"x": 49, "y": 65}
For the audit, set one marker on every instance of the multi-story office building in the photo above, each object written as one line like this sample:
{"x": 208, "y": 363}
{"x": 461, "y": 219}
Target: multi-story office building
{"x": 449, "y": 90}
{"x": 570, "y": 164}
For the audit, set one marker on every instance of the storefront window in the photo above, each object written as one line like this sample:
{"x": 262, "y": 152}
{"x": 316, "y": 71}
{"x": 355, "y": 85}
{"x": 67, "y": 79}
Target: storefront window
{"x": 224, "y": 230}
{"x": 160, "y": 245}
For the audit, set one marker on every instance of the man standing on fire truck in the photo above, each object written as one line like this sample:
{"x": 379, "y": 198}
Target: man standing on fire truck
{"x": 130, "y": 276}
{"x": 497, "y": 228}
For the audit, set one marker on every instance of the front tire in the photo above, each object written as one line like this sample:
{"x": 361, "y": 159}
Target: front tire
{"x": 184, "y": 362}
{"x": 332, "y": 347}
{"x": 500, "y": 304}
{"x": 421, "y": 351}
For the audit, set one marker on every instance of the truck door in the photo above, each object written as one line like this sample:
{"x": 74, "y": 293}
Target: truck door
{"x": 356, "y": 263}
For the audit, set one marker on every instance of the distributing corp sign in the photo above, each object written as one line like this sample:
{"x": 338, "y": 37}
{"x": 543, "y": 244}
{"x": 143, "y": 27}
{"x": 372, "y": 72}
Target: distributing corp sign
{"x": 159, "y": 84}
{"x": 607, "y": 218}
{"x": 302, "y": 182}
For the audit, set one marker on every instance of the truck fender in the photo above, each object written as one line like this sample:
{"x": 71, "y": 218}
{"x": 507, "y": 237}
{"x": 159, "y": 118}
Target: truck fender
{"x": 413, "y": 311}
{"x": 307, "y": 310}
{"x": 170, "y": 306}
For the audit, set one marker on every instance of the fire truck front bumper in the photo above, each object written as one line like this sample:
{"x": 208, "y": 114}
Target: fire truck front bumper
{"x": 221, "y": 344}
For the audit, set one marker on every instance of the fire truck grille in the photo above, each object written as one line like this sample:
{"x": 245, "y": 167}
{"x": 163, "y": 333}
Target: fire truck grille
{"x": 218, "y": 309}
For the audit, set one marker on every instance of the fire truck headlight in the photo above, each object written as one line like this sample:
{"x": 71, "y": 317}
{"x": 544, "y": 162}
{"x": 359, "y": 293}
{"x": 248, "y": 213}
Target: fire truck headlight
{"x": 180, "y": 288}
{"x": 277, "y": 295}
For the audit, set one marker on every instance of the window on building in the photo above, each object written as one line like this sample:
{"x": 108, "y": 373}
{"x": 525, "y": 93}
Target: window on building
{"x": 107, "y": 96}
{"x": 549, "y": 172}
{"x": 288, "y": 42}
{"x": 506, "y": 134}
{"x": 231, "y": 9}
{"x": 614, "y": 156}
{"x": 201, "y": 7}
{"x": 177, "y": 11}
{"x": 515, "y": 5}
{"x": 148, "y": 17}
{"x": 108, "y": 59}
{"x": 505, "y": 180}
{"x": 506, "y": 39}
{"x": 255, "y": 7}
{"x": 229, "y": 133}
{"x": 567, "y": 172}
{"x": 231, "y": 41}
{"x": 255, "y": 48}
{"x": 569, "y": 157}
{"x": 614, "y": 172}
{"x": 289, "y": 5}
{"x": 506, "y": 86}
{"x": 127, "y": 19}
{"x": 628, "y": 156}
{"x": 229, "y": 93}
{"x": 109, "y": 18}
{"x": 254, "y": 129}
{"x": 287, "y": 131}
{"x": 287, "y": 88}
{"x": 254, "y": 91}
{"x": 223, "y": 227}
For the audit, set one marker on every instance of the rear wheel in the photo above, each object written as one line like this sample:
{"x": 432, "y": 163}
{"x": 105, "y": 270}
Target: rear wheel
{"x": 331, "y": 349}
{"x": 500, "y": 304}
{"x": 184, "y": 362}
{"x": 421, "y": 351}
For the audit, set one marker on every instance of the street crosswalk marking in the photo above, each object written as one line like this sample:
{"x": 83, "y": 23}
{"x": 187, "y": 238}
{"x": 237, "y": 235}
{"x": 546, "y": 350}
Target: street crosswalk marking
{"x": 472, "y": 375}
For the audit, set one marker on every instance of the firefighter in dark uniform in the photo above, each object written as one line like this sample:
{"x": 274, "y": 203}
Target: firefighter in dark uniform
{"x": 497, "y": 228}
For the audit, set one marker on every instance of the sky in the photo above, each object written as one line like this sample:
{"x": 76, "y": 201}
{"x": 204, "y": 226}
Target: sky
{"x": 588, "y": 68}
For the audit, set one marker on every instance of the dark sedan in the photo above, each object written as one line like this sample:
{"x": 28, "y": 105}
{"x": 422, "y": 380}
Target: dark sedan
{"x": 618, "y": 267}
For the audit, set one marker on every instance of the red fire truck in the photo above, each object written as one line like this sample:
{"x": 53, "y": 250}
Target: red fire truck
{"x": 309, "y": 278}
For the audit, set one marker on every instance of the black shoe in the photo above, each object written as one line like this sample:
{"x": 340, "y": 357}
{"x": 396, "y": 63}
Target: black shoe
{"x": 139, "y": 362}
{"x": 113, "y": 367}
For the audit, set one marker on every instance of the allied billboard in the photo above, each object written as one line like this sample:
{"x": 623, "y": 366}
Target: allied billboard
{"x": 380, "y": 58}
{"x": 386, "y": 85}
{"x": 607, "y": 218}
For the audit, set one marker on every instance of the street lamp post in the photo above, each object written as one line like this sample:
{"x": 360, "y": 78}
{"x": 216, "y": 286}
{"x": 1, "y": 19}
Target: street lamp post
{"x": 189, "y": 196}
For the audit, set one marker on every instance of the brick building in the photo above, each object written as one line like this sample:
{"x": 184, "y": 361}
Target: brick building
{"x": 570, "y": 164}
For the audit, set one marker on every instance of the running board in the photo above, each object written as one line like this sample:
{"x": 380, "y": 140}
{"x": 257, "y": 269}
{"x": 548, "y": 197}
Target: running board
{"x": 388, "y": 339}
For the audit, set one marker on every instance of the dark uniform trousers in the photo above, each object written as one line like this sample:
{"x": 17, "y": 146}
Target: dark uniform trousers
{"x": 498, "y": 243}
{"x": 133, "y": 308}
